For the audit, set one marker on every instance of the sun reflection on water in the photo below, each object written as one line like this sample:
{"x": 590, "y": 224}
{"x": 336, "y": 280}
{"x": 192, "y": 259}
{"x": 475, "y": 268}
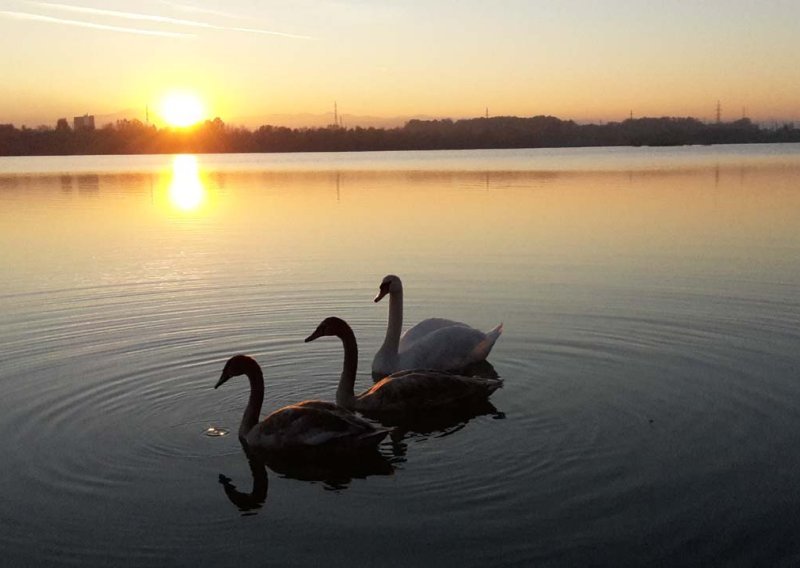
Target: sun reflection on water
{"x": 214, "y": 432}
{"x": 186, "y": 190}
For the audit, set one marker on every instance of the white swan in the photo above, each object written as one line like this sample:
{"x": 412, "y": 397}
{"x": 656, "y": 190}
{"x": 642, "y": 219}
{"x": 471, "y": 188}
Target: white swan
{"x": 305, "y": 425}
{"x": 406, "y": 392}
{"x": 433, "y": 343}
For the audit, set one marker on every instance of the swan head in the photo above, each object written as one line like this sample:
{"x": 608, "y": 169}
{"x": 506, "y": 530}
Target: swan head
{"x": 236, "y": 365}
{"x": 389, "y": 285}
{"x": 328, "y": 326}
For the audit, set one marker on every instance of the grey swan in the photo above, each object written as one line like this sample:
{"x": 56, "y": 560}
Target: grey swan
{"x": 404, "y": 392}
{"x": 311, "y": 424}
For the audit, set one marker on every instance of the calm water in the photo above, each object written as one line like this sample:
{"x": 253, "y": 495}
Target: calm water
{"x": 651, "y": 301}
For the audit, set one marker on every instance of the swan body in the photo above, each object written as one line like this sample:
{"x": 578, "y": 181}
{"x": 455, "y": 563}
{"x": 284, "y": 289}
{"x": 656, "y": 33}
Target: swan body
{"x": 305, "y": 425}
{"x": 434, "y": 343}
{"x": 404, "y": 392}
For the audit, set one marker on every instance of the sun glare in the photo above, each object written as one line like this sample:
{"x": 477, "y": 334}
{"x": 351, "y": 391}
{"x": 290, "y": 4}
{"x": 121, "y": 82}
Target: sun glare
{"x": 186, "y": 191}
{"x": 182, "y": 108}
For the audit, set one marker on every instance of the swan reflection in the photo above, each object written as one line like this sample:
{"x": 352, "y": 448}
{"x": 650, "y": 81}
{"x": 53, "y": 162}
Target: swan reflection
{"x": 445, "y": 422}
{"x": 186, "y": 190}
{"x": 248, "y": 502}
{"x": 334, "y": 471}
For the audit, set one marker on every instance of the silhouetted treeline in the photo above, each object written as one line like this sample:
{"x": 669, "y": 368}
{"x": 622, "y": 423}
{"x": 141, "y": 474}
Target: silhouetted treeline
{"x": 213, "y": 136}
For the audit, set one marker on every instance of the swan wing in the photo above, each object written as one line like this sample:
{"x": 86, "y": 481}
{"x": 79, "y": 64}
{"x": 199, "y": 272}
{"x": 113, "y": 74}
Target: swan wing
{"x": 319, "y": 404}
{"x": 314, "y": 424}
{"x": 420, "y": 389}
{"x": 424, "y": 328}
{"x": 449, "y": 348}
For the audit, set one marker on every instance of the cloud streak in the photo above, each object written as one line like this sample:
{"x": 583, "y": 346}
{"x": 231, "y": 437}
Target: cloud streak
{"x": 91, "y": 25}
{"x": 199, "y": 10}
{"x": 163, "y": 20}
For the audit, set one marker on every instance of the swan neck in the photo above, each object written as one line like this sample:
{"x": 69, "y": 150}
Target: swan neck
{"x": 253, "y": 408}
{"x": 345, "y": 393}
{"x": 395, "y": 326}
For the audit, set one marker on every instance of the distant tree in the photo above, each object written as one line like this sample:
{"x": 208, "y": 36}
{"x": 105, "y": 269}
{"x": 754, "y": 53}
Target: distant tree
{"x": 133, "y": 137}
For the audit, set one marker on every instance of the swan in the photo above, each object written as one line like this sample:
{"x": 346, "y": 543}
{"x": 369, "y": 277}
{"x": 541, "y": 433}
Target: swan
{"x": 433, "y": 343}
{"x": 404, "y": 392}
{"x": 305, "y": 425}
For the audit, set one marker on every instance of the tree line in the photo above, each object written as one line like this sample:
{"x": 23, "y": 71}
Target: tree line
{"x": 214, "y": 136}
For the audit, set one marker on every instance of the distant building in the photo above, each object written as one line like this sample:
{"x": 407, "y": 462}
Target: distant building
{"x": 85, "y": 122}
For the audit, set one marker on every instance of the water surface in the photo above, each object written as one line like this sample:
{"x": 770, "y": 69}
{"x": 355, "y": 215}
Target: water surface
{"x": 651, "y": 302}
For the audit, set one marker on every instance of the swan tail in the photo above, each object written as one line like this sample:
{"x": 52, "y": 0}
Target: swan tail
{"x": 484, "y": 347}
{"x": 495, "y": 333}
{"x": 372, "y": 439}
{"x": 493, "y": 384}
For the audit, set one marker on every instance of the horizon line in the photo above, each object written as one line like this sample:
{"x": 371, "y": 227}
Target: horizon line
{"x": 404, "y": 119}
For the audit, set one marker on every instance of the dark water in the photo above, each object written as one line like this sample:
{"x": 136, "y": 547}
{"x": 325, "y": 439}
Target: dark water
{"x": 651, "y": 356}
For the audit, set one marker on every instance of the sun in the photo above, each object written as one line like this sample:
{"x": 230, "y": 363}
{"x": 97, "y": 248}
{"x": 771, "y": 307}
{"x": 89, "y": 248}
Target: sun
{"x": 182, "y": 108}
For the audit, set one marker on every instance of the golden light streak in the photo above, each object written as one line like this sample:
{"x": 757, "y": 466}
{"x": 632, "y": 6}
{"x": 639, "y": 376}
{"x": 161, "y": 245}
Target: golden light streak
{"x": 186, "y": 190}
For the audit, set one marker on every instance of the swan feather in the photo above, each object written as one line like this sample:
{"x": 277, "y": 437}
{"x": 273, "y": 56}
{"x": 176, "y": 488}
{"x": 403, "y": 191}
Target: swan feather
{"x": 424, "y": 328}
{"x": 423, "y": 389}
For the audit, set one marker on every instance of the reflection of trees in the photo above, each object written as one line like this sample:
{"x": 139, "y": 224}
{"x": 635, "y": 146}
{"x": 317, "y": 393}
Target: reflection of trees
{"x": 66, "y": 182}
{"x": 134, "y": 137}
{"x": 88, "y": 182}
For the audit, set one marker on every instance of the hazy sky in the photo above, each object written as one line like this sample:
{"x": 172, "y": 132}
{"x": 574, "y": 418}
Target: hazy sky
{"x": 579, "y": 59}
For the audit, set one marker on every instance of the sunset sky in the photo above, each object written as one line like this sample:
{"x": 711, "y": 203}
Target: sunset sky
{"x": 249, "y": 60}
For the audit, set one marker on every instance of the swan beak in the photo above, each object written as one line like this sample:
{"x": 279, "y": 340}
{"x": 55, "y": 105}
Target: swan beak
{"x": 222, "y": 380}
{"x": 317, "y": 333}
{"x": 381, "y": 293}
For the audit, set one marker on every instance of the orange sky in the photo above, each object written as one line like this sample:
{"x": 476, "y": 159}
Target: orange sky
{"x": 579, "y": 59}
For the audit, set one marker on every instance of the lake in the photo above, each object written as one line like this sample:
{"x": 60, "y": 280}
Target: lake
{"x": 651, "y": 356}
